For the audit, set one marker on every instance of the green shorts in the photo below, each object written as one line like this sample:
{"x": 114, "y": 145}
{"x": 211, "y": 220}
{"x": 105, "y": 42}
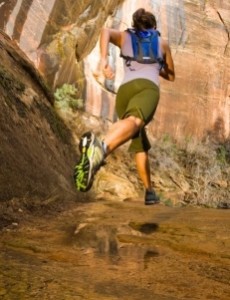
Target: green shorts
{"x": 138, "y": 98}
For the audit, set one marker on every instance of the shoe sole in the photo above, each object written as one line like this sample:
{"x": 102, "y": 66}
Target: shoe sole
{"x": 152, "y": 202}
{"x": 86, "y": 142}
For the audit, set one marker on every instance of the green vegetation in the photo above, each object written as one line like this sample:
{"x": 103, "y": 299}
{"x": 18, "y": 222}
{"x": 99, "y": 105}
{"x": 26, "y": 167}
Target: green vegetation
{"x": 223, "y": 154}
{"x": 65, "y": 97}
{"x": 197, "y": 171}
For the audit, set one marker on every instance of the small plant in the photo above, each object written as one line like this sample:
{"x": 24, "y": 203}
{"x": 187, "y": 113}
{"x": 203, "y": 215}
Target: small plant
{"x": 65, "y": 97}
{"x": 222, "y": 155}
{"x": 168, "y": 202}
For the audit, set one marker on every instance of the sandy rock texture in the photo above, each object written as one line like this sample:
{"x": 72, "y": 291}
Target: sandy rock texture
{"x": 118, "y": 250}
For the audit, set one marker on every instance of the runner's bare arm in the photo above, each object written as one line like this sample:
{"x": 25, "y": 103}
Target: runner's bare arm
{"x": 109, "y": 35}
{"x": 113, "y": 36}
{"x": 167, "y": 72}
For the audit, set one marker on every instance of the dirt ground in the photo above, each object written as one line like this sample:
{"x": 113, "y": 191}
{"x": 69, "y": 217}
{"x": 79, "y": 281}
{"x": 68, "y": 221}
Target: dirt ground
{"x": 117, "y": 250}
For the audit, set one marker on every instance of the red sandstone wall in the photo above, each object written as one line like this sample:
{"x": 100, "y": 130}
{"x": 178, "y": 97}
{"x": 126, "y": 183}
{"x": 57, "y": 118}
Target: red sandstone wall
{"x": 198, "y": 102}
{"x": 54, "y": 33}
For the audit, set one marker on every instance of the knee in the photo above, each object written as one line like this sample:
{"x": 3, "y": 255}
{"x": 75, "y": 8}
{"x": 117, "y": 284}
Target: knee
{"x": 137, "y": 121}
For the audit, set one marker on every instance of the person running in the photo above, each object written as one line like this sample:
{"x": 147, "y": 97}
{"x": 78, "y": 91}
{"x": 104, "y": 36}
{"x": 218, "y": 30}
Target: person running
{"x": 136, "y": 102}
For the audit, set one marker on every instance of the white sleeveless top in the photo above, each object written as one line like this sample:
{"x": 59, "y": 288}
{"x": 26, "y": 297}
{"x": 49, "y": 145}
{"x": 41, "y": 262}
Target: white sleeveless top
{"x": 137, "y": 70}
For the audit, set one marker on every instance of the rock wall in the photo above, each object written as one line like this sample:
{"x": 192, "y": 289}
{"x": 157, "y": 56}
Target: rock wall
{"x": 198, "y": 102}
{"x": 54, "y": 33}
{"x": 37, "y": 152}
{"x": 58, "y": 37}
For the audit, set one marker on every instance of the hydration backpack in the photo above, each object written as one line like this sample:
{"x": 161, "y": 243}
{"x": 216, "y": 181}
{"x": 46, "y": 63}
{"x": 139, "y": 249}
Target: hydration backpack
{"x": 145, "y": 46}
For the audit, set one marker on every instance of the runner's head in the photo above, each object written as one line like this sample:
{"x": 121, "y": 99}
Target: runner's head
{"x": 143, "y": 19}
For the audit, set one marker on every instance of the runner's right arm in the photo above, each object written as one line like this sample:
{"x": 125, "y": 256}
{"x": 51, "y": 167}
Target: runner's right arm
{"x": 167, "y": 72}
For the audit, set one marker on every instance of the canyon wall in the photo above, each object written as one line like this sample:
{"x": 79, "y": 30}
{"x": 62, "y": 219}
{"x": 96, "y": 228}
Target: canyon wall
{"x": 198, "y": 102}
{"x": 56, "y": 35}
{"x": 59, "y": 37}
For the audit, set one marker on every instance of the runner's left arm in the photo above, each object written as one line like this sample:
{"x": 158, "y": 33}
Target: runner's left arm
{"x": 113, "y": 36}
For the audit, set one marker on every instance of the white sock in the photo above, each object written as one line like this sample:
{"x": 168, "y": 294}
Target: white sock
{"x": 104, "y": 147}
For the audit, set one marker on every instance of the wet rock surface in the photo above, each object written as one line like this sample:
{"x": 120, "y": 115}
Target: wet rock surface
{"x": 118, "y": 250}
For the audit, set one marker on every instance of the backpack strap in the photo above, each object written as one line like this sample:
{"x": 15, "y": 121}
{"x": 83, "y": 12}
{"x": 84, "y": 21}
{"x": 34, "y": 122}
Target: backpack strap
{"x": 129, "y": 59}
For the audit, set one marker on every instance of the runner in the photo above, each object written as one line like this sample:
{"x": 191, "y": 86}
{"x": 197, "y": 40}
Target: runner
{"x": 136, "y": 101}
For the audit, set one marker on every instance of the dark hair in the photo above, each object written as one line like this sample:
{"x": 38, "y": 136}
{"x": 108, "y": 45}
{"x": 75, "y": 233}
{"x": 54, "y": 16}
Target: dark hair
{"x": 143, "y": 19}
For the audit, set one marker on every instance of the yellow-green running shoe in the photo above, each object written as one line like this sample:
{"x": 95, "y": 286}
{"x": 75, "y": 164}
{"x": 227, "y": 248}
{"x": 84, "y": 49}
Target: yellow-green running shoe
{"x": 92, "y": 157}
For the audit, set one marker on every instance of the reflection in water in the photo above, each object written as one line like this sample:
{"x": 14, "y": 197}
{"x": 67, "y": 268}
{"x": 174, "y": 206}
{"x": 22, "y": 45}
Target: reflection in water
{"x": 146, "y": 228}
{"x": 149, "y": 257}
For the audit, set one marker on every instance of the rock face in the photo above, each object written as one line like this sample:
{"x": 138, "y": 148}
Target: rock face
{"x": 39, "y": 148}
{"x": 198, "y": 102}
{"x": 55, "y": 33}
{"x": 36, "y": 153}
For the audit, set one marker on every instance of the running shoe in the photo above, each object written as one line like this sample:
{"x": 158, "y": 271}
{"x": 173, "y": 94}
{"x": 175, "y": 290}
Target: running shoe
{"x": 92, "y": 157}
{"x": 151, "y": 198}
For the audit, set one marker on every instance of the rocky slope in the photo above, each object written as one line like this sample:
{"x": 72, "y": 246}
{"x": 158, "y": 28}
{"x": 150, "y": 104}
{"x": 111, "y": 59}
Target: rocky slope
{"x": 37, "y": 153}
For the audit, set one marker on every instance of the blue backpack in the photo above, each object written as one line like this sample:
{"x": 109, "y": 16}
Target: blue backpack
{"x": 145, "y": 46}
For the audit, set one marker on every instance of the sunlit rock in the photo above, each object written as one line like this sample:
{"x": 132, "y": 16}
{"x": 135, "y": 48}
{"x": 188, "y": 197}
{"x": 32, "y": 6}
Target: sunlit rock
{"x": 58, "y": 37}
{"x": 54, "y": 33}
{"x": 198, "y": 102}
{"x": 113, "y": 187}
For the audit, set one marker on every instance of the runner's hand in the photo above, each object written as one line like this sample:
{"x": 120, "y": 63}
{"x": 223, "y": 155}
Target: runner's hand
{"x": 107, "y": 69}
